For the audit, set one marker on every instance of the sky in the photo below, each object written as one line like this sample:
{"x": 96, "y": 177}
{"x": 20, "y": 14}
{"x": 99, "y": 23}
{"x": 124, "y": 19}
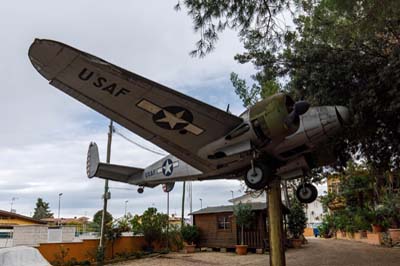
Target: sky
{"x": 45, "y": 133}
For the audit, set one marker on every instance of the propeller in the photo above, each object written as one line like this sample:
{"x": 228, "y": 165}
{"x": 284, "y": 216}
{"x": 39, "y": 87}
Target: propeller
{"x": 299, "y": 108}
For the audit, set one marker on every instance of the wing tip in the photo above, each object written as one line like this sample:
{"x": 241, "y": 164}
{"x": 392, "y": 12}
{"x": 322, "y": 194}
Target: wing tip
{"x": 93, "y": 160}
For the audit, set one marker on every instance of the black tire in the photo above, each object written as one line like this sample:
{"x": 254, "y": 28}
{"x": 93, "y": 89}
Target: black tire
{"x": 140, "y": 190}
{"x": 263, "y": 174}
{"x": 306, "y": 193}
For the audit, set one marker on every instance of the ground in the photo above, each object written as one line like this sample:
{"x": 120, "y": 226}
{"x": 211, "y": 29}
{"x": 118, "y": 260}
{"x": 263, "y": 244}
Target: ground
{"x": 319, "y": 252}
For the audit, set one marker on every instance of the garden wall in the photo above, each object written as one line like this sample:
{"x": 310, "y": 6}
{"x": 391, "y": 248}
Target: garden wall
{"x": 372, "y": 238}
{"x": 86, "y": 250}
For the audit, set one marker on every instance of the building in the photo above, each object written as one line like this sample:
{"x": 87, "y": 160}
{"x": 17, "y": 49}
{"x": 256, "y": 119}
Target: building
{"x": 218, "y": 228}
{"x": 10, "y": 219}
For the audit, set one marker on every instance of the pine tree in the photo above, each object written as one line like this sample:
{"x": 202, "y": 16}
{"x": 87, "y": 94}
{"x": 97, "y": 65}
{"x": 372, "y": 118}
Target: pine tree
{"x": 42, "y": 210}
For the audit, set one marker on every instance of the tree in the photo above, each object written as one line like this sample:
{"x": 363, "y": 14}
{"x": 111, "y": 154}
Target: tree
{"x": 297, "y": 220}
{"x": 342, "y": 52}
{"x": 97, "y": 220}
{"x": 243, "y": 215}
{"x": 347, "y": 53}
{"x": 42, "y": 210}
{"x": 151, "y": 224}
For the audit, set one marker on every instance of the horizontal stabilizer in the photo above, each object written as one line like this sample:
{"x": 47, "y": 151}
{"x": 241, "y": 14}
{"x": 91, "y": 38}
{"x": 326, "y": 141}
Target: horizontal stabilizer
{"x": 113, "y": 172}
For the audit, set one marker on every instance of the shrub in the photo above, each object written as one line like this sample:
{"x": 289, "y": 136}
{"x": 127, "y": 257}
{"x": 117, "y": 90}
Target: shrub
{"x": 297, "y": 220}
{"x": 190, "y": 233}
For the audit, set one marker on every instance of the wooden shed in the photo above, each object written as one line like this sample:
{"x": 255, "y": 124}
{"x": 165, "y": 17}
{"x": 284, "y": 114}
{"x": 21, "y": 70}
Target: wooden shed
{"x": 218, "y": 227}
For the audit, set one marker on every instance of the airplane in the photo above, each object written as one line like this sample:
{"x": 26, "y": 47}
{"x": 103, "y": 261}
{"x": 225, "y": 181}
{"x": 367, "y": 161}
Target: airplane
{"x": 276, "y": 137}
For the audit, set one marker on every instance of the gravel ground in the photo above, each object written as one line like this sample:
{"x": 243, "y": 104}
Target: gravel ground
{"x": 319, "y": 252}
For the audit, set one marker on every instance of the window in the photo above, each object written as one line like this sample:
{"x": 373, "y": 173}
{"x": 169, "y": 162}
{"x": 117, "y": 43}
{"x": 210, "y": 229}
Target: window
{"x": 223, "y": 222}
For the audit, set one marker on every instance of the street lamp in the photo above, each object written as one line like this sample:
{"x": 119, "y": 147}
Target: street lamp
{"x": 232, "y": 193}
{"x": 201, "y": 203}
{"x": 126, "y": 204}
{"x": 59, "y": 205}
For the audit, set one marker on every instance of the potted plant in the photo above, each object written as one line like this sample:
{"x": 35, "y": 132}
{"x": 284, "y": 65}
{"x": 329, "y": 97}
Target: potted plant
{"x": 340, "y": 222}
{"x": 297, "y": 223}
{"x": 243, "y": 215}
{"x": 190, "y": 234}
{"x": 390, "y": 210}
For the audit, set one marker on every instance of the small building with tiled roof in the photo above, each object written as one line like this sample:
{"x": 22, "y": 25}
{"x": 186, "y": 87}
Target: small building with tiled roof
{"x": 10, "y": 219}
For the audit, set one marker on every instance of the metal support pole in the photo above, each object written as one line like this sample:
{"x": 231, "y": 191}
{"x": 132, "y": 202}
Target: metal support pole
{"x": 183, "y": 204}
{"x": 168, "y": 220}
{"x": 106, "y": 189}
{"x": 275, "y": 225}
{"x": 59, "y": 208}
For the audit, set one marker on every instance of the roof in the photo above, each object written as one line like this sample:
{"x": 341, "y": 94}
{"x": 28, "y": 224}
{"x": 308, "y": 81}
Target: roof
{"x": 80, "y": 220}
{"x": 229, "y": 208}
{"x": 19, "y": 216}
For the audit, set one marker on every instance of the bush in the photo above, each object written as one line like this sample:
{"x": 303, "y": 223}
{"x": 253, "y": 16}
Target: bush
{"x": 151, "y": 224}
{"x": 190, "y": 233}
{"x": 297, "y": 220}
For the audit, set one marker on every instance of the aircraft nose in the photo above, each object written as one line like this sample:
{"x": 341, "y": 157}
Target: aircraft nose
{"x": 343, "y": 114}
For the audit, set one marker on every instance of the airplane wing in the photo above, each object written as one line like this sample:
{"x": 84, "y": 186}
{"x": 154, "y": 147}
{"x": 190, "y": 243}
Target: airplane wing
{"x": 175, "y": 122}
{"x": 114, "y": 172}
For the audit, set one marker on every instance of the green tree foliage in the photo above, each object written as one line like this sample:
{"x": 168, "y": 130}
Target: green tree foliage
{"x": 347, "y": 53}
{"x": 97, "y": 220}
{"x": 297, "y": 220}
{"x": 342, "y": 52}
{"x": 243, "y": 215}
{"x": 257, "y": 22}
{"x": 42, "y": 210}
{"x": 190, "y": 233}
{"x": 151, "y": 224}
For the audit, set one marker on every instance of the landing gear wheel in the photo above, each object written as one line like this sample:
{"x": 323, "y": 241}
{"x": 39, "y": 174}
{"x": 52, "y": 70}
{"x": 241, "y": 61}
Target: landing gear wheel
{"x": 257, "y": 178}
{"x": 306, "y": 193}
{"x": 140, "y": 190}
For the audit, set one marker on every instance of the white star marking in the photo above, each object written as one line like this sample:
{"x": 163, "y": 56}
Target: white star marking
{"x": 167, "y": 168}
{"x": 173, "y": 119}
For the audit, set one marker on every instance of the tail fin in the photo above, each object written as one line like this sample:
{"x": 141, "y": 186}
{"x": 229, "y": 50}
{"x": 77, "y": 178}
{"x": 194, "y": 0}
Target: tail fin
{"x": 120, "y": 173}
{"x": 93, "y": 160}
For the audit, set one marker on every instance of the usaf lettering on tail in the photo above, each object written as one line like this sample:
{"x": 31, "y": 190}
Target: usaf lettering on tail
{"x": 275, "y": 137}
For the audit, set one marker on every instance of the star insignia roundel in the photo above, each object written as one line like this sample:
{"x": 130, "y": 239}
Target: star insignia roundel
{"x": 173, "y": 118}
{"x": 168, "y": 167}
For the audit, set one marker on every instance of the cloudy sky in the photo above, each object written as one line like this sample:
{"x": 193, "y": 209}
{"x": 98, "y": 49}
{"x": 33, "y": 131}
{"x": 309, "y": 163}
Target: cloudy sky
{"x": 45, "y": 133}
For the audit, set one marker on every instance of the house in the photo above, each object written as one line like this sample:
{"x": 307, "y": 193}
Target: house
{"x": 218, "y": 227}
{"x": 10, "y": 219}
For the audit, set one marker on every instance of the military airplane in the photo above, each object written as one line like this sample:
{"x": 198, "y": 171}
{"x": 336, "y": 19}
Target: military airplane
{"x": 274, "y": 137}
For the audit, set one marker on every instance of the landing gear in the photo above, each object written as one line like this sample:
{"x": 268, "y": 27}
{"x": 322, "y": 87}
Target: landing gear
{"x": 257, "y": 176}
{"x": 140, "y": 190}
{"x": 306, "y": 193}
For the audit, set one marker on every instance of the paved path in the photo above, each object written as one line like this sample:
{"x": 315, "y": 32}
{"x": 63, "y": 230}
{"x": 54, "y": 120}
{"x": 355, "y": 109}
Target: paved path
{"x": 319, "y": 252}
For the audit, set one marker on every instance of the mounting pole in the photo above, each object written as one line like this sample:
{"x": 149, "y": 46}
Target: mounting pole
{"x": 168, "y": 220}
{"x": 183, "y": 204}
{"x": 106, "y": 195}
{"x": 275, "y": 224}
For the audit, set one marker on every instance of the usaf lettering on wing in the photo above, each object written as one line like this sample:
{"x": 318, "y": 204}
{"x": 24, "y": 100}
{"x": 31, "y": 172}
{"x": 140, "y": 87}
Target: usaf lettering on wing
{"x": 102, "y": 83}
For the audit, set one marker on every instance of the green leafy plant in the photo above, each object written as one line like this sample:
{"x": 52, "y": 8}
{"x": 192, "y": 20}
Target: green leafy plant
{"x": 243, "y": 215}
{"x": 175, "y": 237}
{"x": 190, "y": 233}
{"x": 297, "y": 220}
{"x": 151, "y": 224}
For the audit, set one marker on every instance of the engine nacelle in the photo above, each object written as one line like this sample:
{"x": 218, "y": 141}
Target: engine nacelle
{"x": 268, "y": 117}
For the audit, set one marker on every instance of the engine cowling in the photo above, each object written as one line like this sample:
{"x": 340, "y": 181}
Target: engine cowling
{"x": 269, "y": 117}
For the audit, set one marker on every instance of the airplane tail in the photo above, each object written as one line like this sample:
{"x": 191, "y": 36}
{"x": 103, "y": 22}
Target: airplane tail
{"x": 119, "y": 173}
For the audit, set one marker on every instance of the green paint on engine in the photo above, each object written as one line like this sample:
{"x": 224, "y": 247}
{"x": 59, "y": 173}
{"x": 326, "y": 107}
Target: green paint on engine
{"x": 270, "y": 114}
